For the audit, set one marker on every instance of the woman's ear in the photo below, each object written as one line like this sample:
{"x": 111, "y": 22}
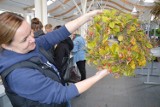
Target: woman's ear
{"x": 5, "y": 46}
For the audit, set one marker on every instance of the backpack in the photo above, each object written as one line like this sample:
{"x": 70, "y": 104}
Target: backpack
{"x": 71, "y": 73}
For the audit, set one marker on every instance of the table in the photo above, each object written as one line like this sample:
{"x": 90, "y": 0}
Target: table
{"x": 155, "y": 52}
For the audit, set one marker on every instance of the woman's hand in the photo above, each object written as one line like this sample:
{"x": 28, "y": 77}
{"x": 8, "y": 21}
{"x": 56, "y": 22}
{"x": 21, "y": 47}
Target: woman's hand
{"x": 87, "y": 83}
{"x": 102, "y": 73}
{"x": 93, "y": 13}
{"x": 75, "y": 24}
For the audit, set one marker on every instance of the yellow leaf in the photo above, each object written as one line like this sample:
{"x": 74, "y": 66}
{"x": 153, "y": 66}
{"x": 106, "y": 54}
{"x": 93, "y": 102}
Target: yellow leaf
{"x": 133, "y": 28}
{"x": 132, "y": 64}
{"x": 97, "y": 18}
{"x": 120, "y": 38}
{"x": 128, "y": 31}
{"x": 148, "y": 45}
{"x": 101, "y": 51}
{"x": 111, "y": 24}
{"x": 105, "y": 19}
{"x": 91, "y": 45}
{"x": 142, "y": 62}
{"x": 98, "y": 27}
{"x": 133, "y": 41}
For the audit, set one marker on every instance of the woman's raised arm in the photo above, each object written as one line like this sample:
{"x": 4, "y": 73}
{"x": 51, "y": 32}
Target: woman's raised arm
{"x": 75, "y": 24}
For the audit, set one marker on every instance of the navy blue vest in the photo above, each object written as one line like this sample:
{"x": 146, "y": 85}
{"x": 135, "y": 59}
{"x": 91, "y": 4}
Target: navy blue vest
{"x": 34, "y": 63}
{"x": 18, "y": 101}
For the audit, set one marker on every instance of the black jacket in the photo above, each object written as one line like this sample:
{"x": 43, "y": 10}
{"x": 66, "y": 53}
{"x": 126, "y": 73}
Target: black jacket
{"x": 38, "y": 33}
{"x": 62, "y": 53}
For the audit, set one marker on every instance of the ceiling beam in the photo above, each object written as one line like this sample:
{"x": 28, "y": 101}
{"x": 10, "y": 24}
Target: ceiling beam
{"x": 92, "y": 2}
{"x": 77, "y": 6}
{"x": 58, "y": 6}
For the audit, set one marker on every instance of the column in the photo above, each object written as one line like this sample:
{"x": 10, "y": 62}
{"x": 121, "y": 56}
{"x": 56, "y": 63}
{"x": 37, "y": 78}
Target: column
{"x": 84, "y": 9}
{"x": 41, "y": 11}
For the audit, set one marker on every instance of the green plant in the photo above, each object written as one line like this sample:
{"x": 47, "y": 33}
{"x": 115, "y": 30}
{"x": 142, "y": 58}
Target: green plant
{"x": 152, "y": 32}
{"x": 156, "y": 9}
{"x": 158, "y": 32}
{"x": 129, "y": 48}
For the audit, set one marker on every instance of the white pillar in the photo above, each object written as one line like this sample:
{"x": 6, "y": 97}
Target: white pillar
{"x": 44, "y": 12}
{"x": 41, "y": 11}
{"x": 29, "y": 16}
{"x": 84, "y": 9}
{"x": 38, "y": 9}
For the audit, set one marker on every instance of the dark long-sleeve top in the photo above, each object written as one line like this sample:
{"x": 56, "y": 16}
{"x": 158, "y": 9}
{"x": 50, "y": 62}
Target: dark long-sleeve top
{"x": 62, "y": 51}
{"x": 32, "y": 84}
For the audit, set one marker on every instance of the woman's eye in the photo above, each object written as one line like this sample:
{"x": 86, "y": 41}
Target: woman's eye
{"x": 24, "y": 39}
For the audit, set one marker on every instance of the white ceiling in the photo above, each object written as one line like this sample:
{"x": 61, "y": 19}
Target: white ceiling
{"x": 66, "y": 9}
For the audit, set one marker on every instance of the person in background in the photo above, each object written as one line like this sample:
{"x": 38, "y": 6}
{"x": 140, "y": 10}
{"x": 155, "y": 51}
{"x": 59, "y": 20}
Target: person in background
{"x": 37, "y": 27}
{"x": 62, "y": 53}
{"x": 29, "y": 87}
{"x": 79, "y": 54}
{"x": 48, "y": 28}
{"x": 57, "y": 27}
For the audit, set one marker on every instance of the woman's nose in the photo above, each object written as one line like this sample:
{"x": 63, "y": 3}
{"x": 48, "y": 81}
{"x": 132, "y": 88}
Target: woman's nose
{"x": 31, "y": 39}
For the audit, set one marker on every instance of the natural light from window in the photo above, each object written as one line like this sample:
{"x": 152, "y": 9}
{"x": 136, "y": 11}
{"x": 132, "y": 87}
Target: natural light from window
{"x": 149, "y": 1}
{"x": 49, "y": 2}
{"x": 1, "y": 11}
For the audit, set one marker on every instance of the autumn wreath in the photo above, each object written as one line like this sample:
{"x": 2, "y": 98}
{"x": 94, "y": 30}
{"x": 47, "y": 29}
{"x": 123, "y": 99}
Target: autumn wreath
{"x": 115, "y": 41}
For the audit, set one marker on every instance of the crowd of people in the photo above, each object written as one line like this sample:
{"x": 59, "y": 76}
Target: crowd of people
{"x": 42, "y": 85}
{"x": 61, "y": 52}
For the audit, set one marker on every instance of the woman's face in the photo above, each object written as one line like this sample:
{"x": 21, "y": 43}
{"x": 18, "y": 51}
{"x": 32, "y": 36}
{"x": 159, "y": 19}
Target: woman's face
{"x": 49, "y": 30}
{"x": 23, "y": 41}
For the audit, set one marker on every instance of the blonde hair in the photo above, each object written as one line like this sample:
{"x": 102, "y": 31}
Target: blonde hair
{"x": 48, "y": 26}
{"x": 9, "y": 23}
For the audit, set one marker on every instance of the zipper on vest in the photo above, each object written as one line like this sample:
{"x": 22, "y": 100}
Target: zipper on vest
{"x": 53, "y": 67}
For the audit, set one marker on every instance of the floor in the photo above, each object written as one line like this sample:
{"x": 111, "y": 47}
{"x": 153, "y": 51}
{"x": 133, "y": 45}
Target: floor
{"x": 122, "y": 92}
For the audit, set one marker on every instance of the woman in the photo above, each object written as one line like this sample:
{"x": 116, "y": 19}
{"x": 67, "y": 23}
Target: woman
{"x": 79, "y": 54}
{"x": 28, "y": 87}
{"x": 37, "y": 27}
{"x": 62, "y": 53}
{"x": 48, "y": 28}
